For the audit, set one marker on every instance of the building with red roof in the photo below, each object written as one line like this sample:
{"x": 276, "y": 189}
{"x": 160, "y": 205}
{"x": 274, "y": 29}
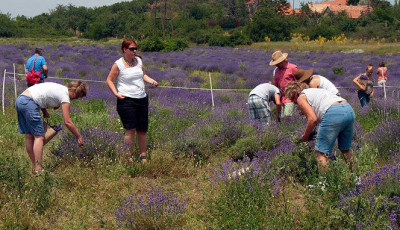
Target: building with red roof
{"x": 338, "y": 6}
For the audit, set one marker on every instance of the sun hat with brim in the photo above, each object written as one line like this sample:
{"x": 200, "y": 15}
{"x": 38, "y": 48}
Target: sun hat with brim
{"x": 303, "y": 74}
{"x": 278, "y": 57}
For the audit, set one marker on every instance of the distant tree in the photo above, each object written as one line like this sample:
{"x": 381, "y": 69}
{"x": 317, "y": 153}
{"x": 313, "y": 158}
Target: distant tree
{"x": 353, "y": 2}
{"x": 7, "y": 26}
{"x": 271, "y": 21}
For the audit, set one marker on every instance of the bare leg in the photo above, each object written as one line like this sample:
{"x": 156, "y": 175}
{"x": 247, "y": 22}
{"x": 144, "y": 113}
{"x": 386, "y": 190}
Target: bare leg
{"x": 129, "y": 141}
{"x": 322, "y": 161}
{"x": 38, "y": 152}
{"x": 29, "y": 139}
{"x": 349, "y": 157}
{"x": 142, "y": 141}
{"x": 34, "y": 148}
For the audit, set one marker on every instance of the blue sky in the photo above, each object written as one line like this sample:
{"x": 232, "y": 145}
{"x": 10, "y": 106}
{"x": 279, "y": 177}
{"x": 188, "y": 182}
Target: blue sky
{"x": 31, "y": 8}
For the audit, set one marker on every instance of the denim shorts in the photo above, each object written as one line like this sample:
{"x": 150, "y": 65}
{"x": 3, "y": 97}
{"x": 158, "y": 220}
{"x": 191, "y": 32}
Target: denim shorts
{"x": 337, "y": 123}
{"x": 29, "y": 118}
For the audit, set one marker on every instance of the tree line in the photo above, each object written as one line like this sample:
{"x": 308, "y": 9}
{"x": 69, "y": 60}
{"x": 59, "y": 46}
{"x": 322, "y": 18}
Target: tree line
{"x": 213, "y": 22}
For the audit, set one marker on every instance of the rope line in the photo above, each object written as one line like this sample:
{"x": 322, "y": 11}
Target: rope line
{"x": 171, "y": 87}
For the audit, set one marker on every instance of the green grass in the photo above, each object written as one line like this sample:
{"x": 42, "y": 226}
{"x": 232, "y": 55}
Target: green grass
{"x": 84, "y": 195}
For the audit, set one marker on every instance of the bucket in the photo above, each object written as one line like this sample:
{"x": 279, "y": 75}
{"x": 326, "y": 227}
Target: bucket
{"x": 49, "y": 132}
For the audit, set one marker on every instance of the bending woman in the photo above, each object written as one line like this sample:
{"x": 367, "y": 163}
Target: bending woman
{"x": 333, "y": 113}
{"x": 30, "y": 123}
{"x": 132, "y": 100}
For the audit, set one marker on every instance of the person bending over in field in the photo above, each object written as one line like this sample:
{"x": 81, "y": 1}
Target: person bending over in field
{"x": 259, "y": 99}
{"x": 132, "y": 100}
{"x": 315, "y": 81}
{"x": 333, "y": 114}
{"x": 30, "y": 123}
{"x": 283, "y": 74}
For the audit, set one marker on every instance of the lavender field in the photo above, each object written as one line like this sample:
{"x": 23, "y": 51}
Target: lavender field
{"x": 211, "y": 167}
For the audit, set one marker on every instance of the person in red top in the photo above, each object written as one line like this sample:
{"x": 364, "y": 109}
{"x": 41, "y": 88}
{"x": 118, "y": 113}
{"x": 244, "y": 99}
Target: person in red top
{"x": 283, "y": 74}
{"x": 382, "y": 74}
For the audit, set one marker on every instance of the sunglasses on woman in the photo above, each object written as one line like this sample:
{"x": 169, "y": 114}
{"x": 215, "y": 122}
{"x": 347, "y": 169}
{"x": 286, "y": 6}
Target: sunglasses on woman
{"x": 132, "y": 48}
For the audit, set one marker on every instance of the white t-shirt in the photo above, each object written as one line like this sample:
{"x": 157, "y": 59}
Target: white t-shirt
{"x": 49, "y": 94}
{"x": 130, "y": 80}
{"x": 320, "y": 100}
{"x": 265, "y": 91}
{"x": 326, "y": 84}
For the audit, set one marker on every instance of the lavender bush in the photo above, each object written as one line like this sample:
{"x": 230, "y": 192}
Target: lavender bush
{"x": 95, "y": 145}
{"x": 374, "y": 202}
{"x": 152, "y": 210}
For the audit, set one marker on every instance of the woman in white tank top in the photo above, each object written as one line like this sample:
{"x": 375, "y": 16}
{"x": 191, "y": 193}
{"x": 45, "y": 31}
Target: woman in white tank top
{"x": 132, "y": 101}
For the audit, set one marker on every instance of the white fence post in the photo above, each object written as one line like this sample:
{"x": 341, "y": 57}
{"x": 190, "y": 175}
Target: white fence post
{"x": 15, "y": 83}
{"x": 384, "y": 89}
{"x": 211, "y": 89}
{"x": 2, "y": 98}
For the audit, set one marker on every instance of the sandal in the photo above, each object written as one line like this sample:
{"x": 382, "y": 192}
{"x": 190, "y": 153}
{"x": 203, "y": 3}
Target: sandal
{"x": 130, "y": 159}
{"x": 38, "y": 172}
{"x": 142, "y": 158}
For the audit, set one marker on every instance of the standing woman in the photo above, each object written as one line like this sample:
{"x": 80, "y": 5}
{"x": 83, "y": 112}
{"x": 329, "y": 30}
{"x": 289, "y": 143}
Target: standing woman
{"x": 334, "y": 116}
{"x": 30, "y": 123}
{"x": 382, "y": 74}
{"x": 132, "y": 100}
{"x": 364, "y": 85}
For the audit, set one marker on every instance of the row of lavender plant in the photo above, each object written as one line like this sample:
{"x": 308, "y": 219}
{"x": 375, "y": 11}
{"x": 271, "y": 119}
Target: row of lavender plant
{"x": 186, "y": 119}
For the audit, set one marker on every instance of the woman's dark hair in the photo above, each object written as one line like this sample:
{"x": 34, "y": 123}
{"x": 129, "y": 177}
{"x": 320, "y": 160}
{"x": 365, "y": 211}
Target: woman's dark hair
{"x": 38, "y": 51}
{"x": 382, "y": 64}
{"x": 126, "y": 43}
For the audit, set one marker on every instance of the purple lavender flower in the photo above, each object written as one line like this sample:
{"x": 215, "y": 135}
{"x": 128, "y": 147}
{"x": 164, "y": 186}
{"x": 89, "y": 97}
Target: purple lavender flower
{"x": 155, "y": 205}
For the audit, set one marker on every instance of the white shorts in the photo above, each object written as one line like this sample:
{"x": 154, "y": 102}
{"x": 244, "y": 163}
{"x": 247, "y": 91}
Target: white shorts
{"x": 381, "y": 82}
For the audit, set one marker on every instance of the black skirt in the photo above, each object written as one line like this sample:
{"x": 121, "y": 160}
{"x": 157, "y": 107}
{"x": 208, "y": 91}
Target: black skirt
{"x": 134, "y": 113}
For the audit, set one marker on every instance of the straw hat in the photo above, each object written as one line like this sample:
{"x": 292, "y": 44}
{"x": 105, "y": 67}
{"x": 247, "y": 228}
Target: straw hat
{"x": 278, "y": 57}
{"x": 303, "y": 74}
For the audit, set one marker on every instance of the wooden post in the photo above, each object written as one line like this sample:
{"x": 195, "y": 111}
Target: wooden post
{"x": 163, "y": 19}
{"x": 211, "y": 89}
{"x": 155, "y": 17}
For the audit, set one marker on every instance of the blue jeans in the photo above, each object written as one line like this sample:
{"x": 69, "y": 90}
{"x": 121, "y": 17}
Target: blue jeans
{"x": 29, "y": 118}
{"x": 363, "y": 97}
{"x": 337, "y": 123}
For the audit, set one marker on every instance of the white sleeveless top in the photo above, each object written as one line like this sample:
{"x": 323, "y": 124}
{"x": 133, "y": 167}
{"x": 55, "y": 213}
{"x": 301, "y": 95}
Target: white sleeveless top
{"x": 326, "y": 84}
{"x": 130, "y": 80}
{"x": 320, "y": 100}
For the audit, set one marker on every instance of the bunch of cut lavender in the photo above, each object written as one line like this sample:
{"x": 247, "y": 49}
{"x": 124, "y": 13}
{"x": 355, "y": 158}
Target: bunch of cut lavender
{"x": 56, "y": 128}
{"x": 153, "y": 208}
{"x": 97, "y": 142}
{"x": 374, "y": 202}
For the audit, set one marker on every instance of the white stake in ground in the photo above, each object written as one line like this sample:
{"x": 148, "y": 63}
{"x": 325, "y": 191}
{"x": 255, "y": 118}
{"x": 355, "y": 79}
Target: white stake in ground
{"x": 2, "y": 98}
{"x": 211, "y": 89}
{"x": 15, "y": 83}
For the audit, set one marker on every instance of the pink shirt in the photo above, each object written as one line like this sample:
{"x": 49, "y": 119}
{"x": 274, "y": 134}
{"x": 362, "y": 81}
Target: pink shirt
{"x": 282, "y": 77}
{"x": 382, "y": 71}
